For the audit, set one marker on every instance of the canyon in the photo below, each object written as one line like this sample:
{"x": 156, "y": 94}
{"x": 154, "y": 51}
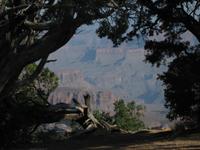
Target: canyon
{"x": 93, "y": 65}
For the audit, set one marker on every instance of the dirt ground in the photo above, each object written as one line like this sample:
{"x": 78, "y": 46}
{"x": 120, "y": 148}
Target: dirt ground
{"x": 119, "y": 141}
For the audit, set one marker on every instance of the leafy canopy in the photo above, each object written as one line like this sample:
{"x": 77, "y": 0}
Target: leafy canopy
{"x": 165, "y": 25}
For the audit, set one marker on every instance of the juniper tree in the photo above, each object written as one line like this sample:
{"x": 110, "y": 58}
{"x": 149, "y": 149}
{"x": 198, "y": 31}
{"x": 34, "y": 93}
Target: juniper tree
{"x": 171, "y": 20}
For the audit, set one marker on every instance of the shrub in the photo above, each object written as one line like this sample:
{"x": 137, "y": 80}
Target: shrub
{"x": 127, "y": 116}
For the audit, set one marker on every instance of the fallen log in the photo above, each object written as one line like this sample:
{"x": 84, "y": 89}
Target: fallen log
{"x": 80, "y": 113}
{"x": 77, "y": 112}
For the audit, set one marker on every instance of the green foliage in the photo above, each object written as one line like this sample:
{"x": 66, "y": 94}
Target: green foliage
{"x": 170, "y": 20}
{"x": 21, "y": 113}
{"x": 100, "y": 115}
{"x": 150, "y": 18}
{"x": 182, "y": 92}
{"x": 21, "y": 42}
{"x": 39, "y": 89}
{"x": 23, "y": 24}
{"x": 127, "y": 116}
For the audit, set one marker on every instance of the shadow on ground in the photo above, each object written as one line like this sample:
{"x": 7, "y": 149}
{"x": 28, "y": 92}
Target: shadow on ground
{"x": 119, "y": 141}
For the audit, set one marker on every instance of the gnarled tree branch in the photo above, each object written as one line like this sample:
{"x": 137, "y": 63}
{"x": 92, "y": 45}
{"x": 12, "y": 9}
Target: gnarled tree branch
{"x": 39, "y": 26}
{"x": 35, "y": 73}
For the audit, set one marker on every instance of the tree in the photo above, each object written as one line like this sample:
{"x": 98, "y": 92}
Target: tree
{"x": 31, "y": 30}
{"x": 20, "y": 113}
{"x": 28, "y": 108}
{"x": 39, "y": 89}
{"x": 127, "y": 116}
{"x": 171, "y": 20}
{"x": 182, "y": 92}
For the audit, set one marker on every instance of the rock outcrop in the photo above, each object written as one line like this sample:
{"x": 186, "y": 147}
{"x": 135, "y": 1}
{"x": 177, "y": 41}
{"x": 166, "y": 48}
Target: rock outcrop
{"x": 102, "y": 100}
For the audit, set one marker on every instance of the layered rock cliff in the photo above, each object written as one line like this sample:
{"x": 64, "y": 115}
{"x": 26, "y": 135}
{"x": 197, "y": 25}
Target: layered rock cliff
{"x": 88, "y": 63}
{"x": 101, "y": 100}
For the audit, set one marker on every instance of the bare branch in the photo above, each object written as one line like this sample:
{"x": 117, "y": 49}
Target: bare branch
{"x": 39, "y": 26}
{"x": 51, "y": 60}
{"x": 35, "y": 74}
{"x": 10, "y": 9}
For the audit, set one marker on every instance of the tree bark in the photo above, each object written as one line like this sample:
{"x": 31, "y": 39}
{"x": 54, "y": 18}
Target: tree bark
{"x": 12, "y": 63}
